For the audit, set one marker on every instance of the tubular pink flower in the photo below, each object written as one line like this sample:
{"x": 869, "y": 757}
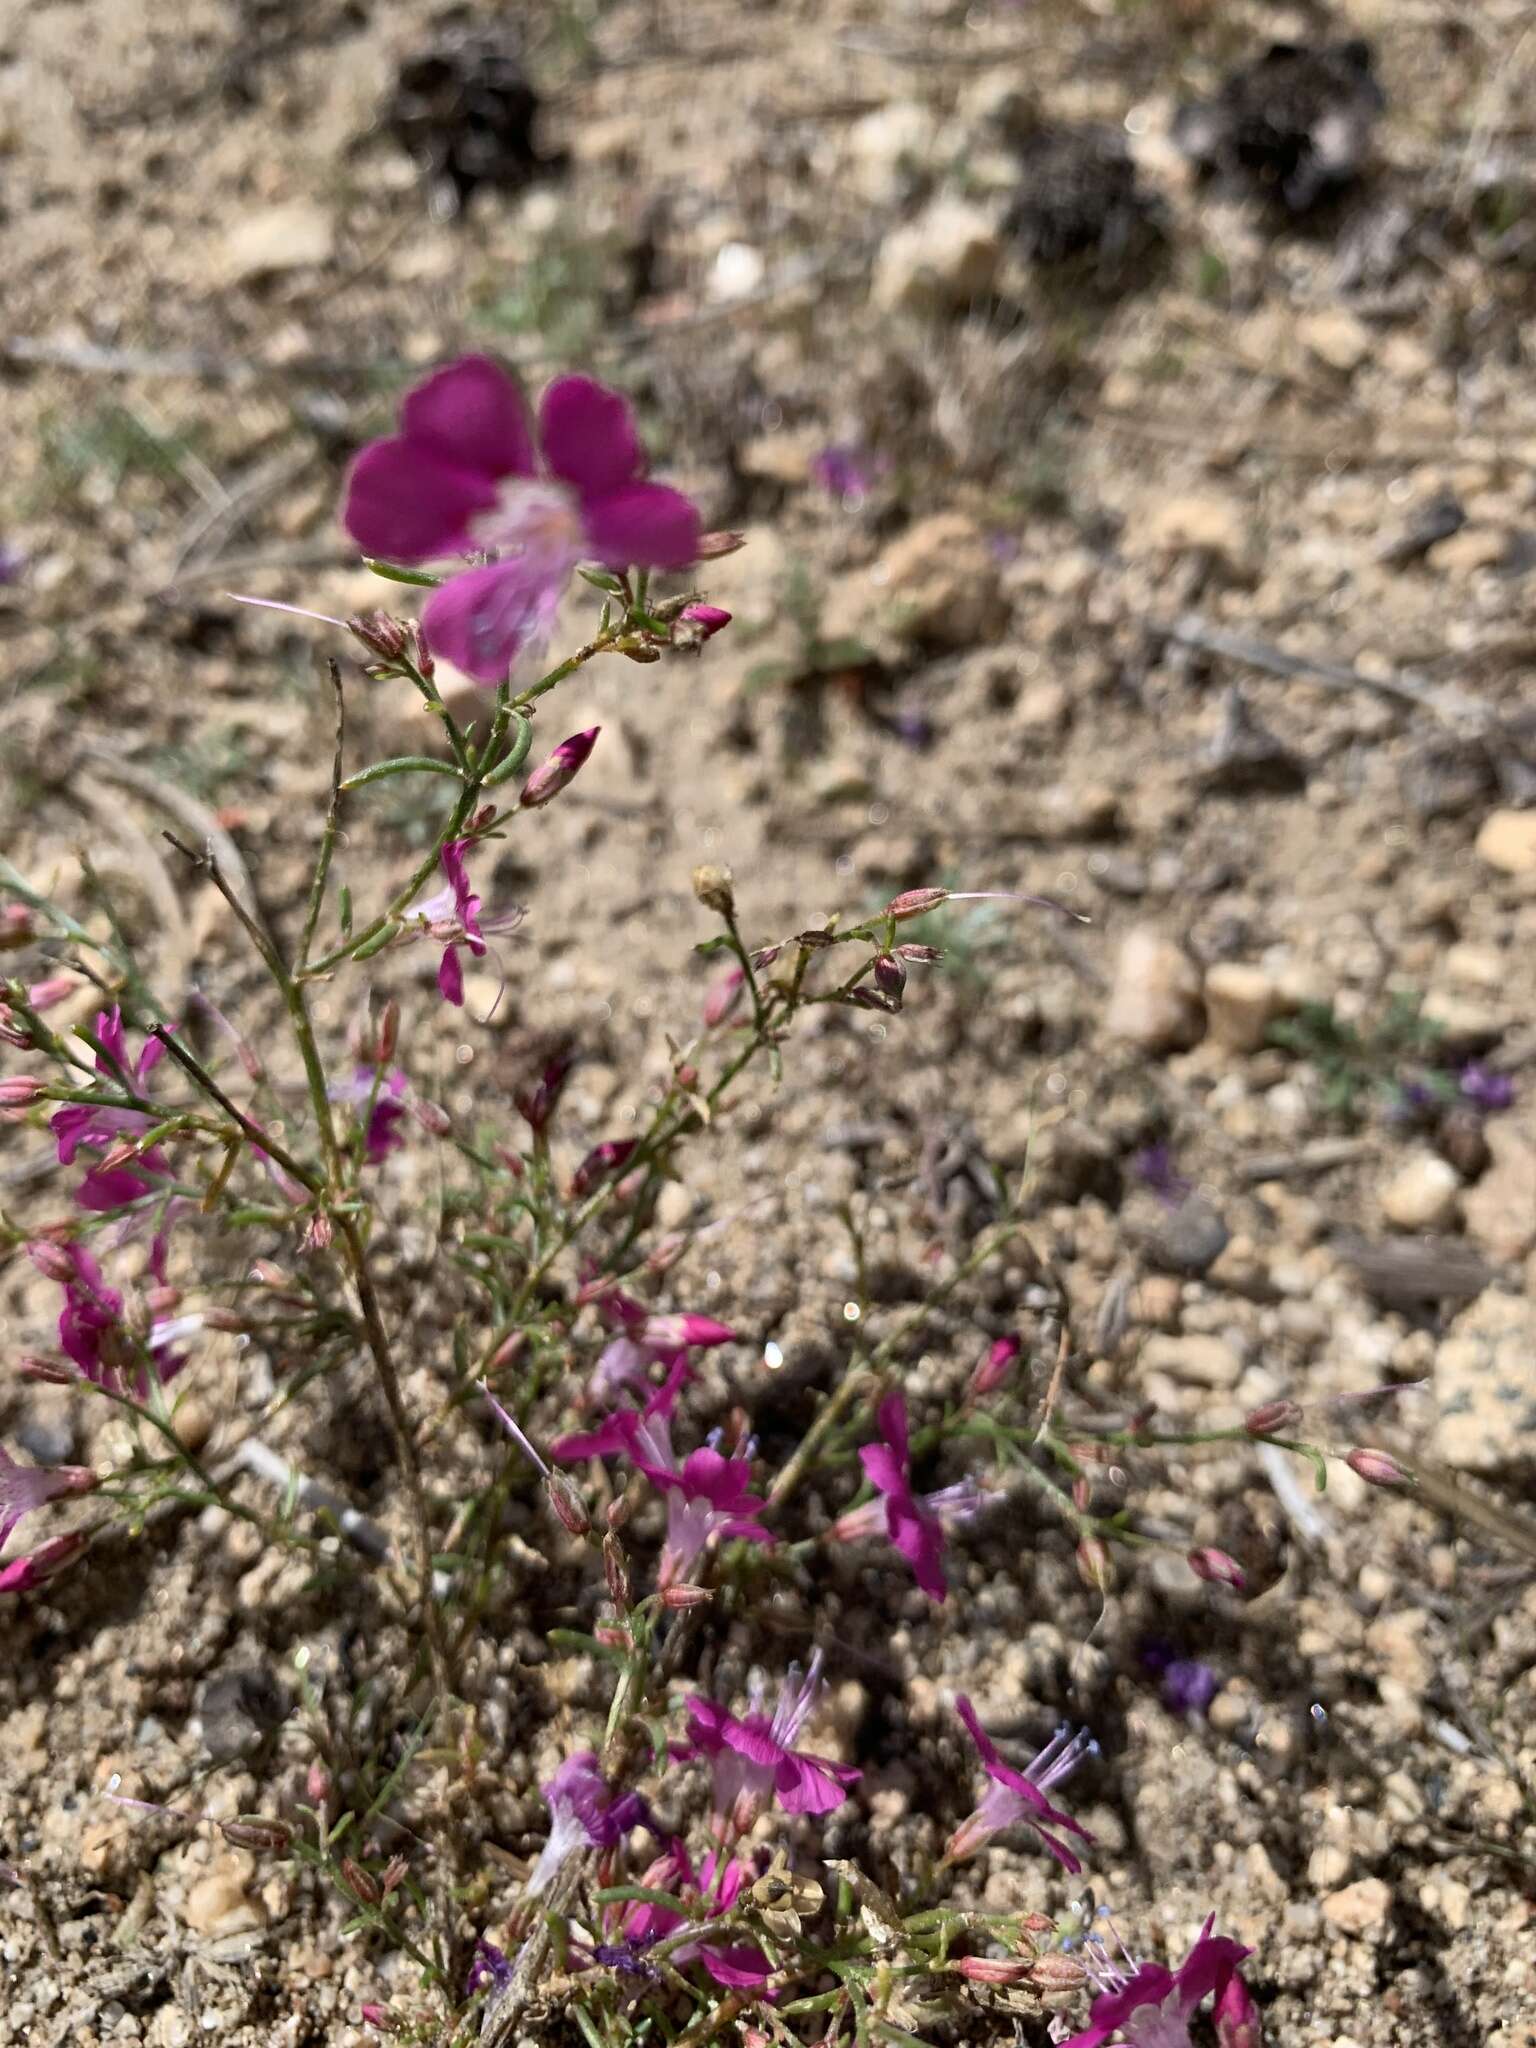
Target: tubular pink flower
{"x": 98, "y": 1127}
{"x": 551, "y": 776}
{"x": 915, "y": 1523}
{"x": 1148, "y": 2005}
{"x": 26, "y": 1488}
{"x": 584, "y": 1811}
{"x": 1015, "y": 1796}
{"x": 456, "y": 917}
{"x": 753, "y": 1759}
{"x": 23, "y": 1573}
{"x": 1237, "y": 2017}
{"x": 466, "y": 473}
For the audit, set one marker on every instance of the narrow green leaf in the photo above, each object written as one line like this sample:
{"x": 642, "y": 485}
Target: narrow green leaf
{"x": 392, "y": 572}
{"x": 401, "y": 764}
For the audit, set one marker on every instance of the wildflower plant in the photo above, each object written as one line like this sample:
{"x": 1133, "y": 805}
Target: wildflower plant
{"x": 206, "y": 1191}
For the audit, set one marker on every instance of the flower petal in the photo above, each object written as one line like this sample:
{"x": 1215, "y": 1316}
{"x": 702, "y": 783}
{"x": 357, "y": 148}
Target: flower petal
{"x": 407, "y": 504}
{"x": 450, "y": 978}
{"x": 891, "y": 1421}
{"x": 736, "y": 1965}
{"x": 472, "y": 415}
{"x": 811, "y": 1784}
{"x": 588, "y": 435}
{"x": 645, "y": 526}
{"x": 885, "y": 1471}
{"x": 481, "y": 621}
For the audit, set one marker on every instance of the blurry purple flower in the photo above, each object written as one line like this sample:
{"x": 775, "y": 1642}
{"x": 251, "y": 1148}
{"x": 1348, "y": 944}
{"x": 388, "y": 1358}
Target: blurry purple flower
{"x": 913, "y": 728}
{"x": 487, "y": 1966}
{"x": 845, "y": 470}
{"x": 23, "y": 1573}
{"x": 13, "y": 560}
{"x": 584, "y": 1812}
{"x": 94, "y": 1336}
{"x": 1015, "y": 1796}
{"x": 1148, "y": 2005}
{"x": 547, "y": 780}
{"x": 1154, "y": 1167}
{"x": 1188, "y": 1687}
{"x": 915, "y": 1523}
{"x": 601, "y": 1163}
{"x": 382, "y": 1094}
{"x": 26, "y": 1488}
{"x": 455, "y": 917}
{"x": 645, "y": 1923}
{"x": 99, "y": 1128}
{"x": 753, "y": 1759}
{"x": 464, "y": 474}
{"x": 1488, "y": 1090}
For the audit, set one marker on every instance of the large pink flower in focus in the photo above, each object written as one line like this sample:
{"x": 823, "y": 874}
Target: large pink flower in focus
{"x": 753, "y": 1758}
{"x": 466, "y": 473}
{"x": 1150, "y": 2006}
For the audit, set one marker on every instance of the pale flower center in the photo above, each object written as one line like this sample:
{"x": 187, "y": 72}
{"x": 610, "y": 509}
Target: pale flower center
{"x": 532, "y": 516}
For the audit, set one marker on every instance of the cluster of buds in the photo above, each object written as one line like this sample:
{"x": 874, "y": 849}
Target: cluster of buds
{"x": 397, "y": 645}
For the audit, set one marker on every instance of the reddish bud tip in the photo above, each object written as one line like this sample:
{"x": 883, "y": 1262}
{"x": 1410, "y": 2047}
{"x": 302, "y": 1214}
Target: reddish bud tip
{"x": 697, "y": 623}
{"x": 1217, "y": 1568}
{"x": 1378, "y": 1468}
{"x": 570, "y": 1509}
{"x": 547, "y": 781}
{"x": 995, "y": 1367}
{"x": 317, "y": 1783}
{"x": 915, "y": 903}
{"x": 43, "y": 995}
{"x": 686, "y": 1596}
{"x": 379, "y": 2016}
{"x": 380, "y": 634}
{"x": 52, "y": 1261}
{"x": 711, "y": 546}
{"x": 19, "y": 1091}
{"x": 1273, "y": 1418}
{"x": 1094, "y": 1564}
{"x": 363, "y": 1886}
{"x": 432, "y": 1117}
{"x": 723, "y": 996}
{"x": 995, "y": 1969}
{"x": 395, "y": 1873}
{"x": 890, "y": 976}
{"x": 608, "y": 1158}
{"x": 1237, "y": 2017}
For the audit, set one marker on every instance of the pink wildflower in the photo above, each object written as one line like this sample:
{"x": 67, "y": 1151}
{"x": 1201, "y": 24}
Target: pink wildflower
{"x": 382, "y": 1095}
{"x": 584, "y": 1812}
{"x": 464, "y": 474}
{"x": 26, "y": 1488}
{"x": 915, "y": 1523}
{"x": 643, "y": 1428}
{"x": 456, "y": 917}
{"x": 645, "y": 1922}
{"x": 99, "y": 1127}
{"x": 753, "y": 1760}
{"x": 1148, "y": 2005}
{"x": 1015, "y": 1796}
{"x": 707, "y": 1502}
{"x": 94, "y": 1335}
{"x": 22, "y": 1574}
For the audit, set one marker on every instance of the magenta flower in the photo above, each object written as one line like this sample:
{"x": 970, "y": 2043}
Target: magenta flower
{"x": 382, "y": 1094}
{"x": 1237, "y": 2017}
{"x": 645, "y": 1922}
{"x": 551, "y": 776}
{"x": 752, "y": 1758}
{"x": 915, "y": 1523}
{"x": 1015, "y": 1796}
{"x": 640, "y": 1430}
{"x": 95, "y": 1338}
{"x": 584, "y": 1812}
{"x": 465, "y": 475}
{"x": 456, "y": 917}
{"x": 98, "y": 1127}
{"x": 1150, "y": 2006}
{"x": 23, "y": 1573}
{"x": 707, "y": 1499}
{"x": 601, "y": 1163}
{"x": 26, "y": 1488}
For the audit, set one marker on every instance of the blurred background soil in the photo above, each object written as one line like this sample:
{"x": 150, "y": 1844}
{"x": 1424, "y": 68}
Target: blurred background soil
{"x": 1135, "y": 434}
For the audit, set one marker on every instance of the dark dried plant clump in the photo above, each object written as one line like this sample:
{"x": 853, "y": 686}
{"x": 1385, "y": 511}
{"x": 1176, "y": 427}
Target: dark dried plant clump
{"x": 464, "y": 108}
{"x": 1293, "y": 124}
{"x": 1080, "y": 204}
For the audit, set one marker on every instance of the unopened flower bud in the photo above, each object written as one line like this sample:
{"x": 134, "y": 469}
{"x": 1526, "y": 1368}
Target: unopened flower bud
{"x": 697, "y": 623}
{"x": 570, "y": 1509}
{"x": 267, "y": 1273}
{"x": 254, "y": 1831}
{"x": 994, "y": 1969}
{"x": 871, "y": 999}
{"x": 1082, "y": 1493}
{"x": 547, "y": 781}
{"x": 1094, "y": 1564}
{"x": 995, "y": 1367}
{"x": 1056, "y": 1972}
{"x": 373, "y": 2014}
{"x": 1037, "y": 1923}
{"x": 48, "y": 1372}
{"x": 608, "y": 1158}
{"x": 1217, "y": 1568}
{"x": 227, "y": 1319}
{"x": 919, "y": 955}
{"x": 610, "y": 1637}
{"x": 380, "y": 634}
{"x": 432, "y": 1117}
{"x": 389, "y": 1033}
{"x": 915, "y": 903}
{"x": 21, "y": 1574}
{"x": 43, "y": 995}
{"x": 616, "y": 1572}
{"x": 1378, "y": 1468}
{"x": 617, "y": 1512}
{"x": 317, "y": 1783}
{"x": 52, "y": 1261}
{"x": 1273, "y": 1418}
{"x": 686, "y": 1596}
{"x": 714, "y": 886}
{"x": 723, "y": 996}
{"x": 890, "y": 976}
{"x": 318, "y": 1233}
{"x": 363, "y": 1886}
{"x": 711, "y": 546}
{"x": 1237, "y": 2017}
{"x": 395, "y": 1873}
{"x": 20, "y": 1091}
{"x": 508, "y": 1352}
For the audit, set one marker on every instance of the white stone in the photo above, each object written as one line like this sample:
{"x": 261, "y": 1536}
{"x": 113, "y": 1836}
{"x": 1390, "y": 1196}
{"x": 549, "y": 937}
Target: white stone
{"x": 1485, "y": 1384}
{"x": 295, "y": 236}
{"x": 1240, "y": 1005}
{"x": 1507, "y": 842}
{"x": 1422, "y": 1194}
{"x": 941, "y": 261}
{"x": 1154, "y": 1000}
{"x": 736, "y": 273}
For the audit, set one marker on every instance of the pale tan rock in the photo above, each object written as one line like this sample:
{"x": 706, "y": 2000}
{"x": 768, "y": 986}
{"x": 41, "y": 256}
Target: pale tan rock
{"x": 219, "y": 1903}
{"x": 1336, "y": 337}
{"x": 1500, "y": 1208}
{"x": 1360, "y": 1908}
{"x": 1422, "y": 1195}
{"x": 1204, "y": 1361}
{"x": 939, "y": 262}
{"x": 887, "y": 145}
{"x": 1507, "y": 842}
{"x": 940, "y": 582}
{"x": 1240, "y": 1005}
{"x": 1485, "y": 1384}
{"x": 1201, "y": 519}
{"x": 296, "y": 236}
{"x": 1474, "y": 548}
{"x": 1154, "y": 1000}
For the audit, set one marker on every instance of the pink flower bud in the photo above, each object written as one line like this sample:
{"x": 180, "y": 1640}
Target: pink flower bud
{"x": 723, "y": 996}
{"x": 43, "y": 995}
{"x": 890, "y": 976}
{"x": 48, "y": 1372}
{"x": 432, "y": 1117}
{"x": 697, "y": 623}
{"x": 676, "y": 1333}
{"x": 995, "y": 1969}
{"x": 317, "y": 1783}
{"x": 256, "y": 1832}
{"x": 1273, "y": 1418}
{"x": 389, "y": 1033}
{"x": 995, "y": 1367}
{"x": 915, "y": 903}
{"x": 605, "y": 1159}
{"x": 1056, "y": 1972}
{"x": 570, "y": 1509}
{"x": 686, "y": 1596}
{"x": 1237, "y": 2017}
{"x": 395, "y": 1872}
{"x": 22, "y": 1574}
{"x": 546, "y": 782}
{"x": 19, "y": 1091}
{"x": 711, "y": 546}
{"x": 380, "y": 634}
{"x": 1094, "y": 1564}
{"x": 52, "y": 1261}
{"x": 1217, "y": 1568}
{"x": 1378, "y": 1468}
{"x": 379, "y": 2016}
{"x": 362, "y": 1884}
